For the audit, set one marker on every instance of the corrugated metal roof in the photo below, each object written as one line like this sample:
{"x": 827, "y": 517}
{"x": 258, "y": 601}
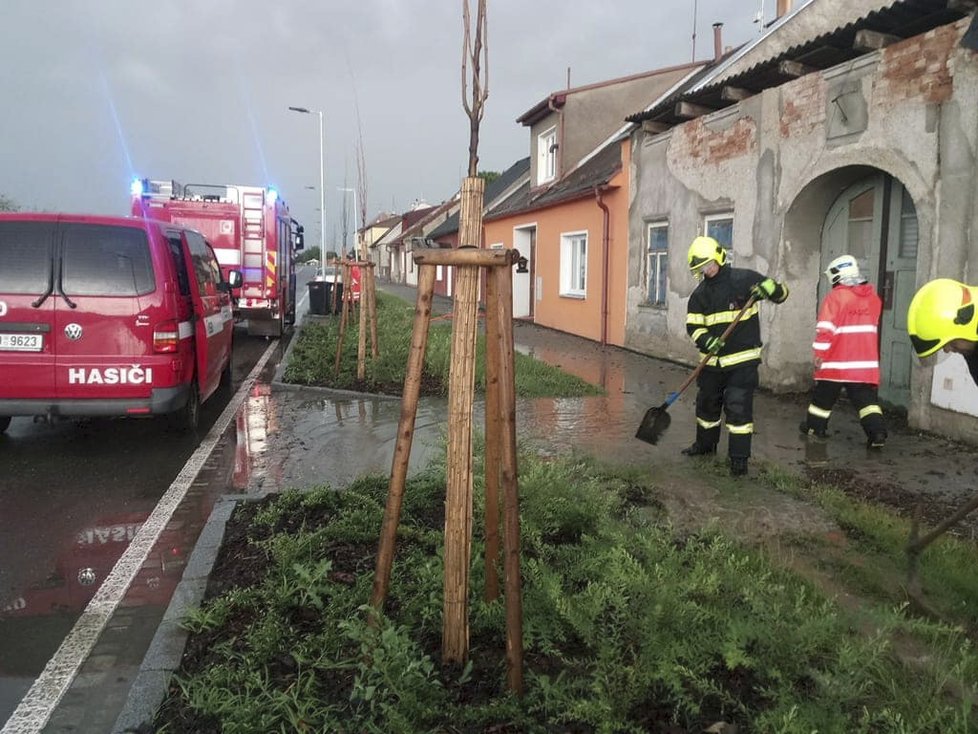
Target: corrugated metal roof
{"x": 906, "y": 18}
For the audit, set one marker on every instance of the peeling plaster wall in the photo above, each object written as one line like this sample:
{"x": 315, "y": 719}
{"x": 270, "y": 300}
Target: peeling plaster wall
{"x": 780, "y": 158}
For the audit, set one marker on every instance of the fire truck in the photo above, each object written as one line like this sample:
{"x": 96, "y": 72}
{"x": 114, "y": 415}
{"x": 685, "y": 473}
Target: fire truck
{"x": 249, "y": 228}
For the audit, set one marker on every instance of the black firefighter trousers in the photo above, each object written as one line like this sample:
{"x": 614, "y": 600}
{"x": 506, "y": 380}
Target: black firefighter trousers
{"x": 862, "y": 395}
{"x": 730, "y": 391}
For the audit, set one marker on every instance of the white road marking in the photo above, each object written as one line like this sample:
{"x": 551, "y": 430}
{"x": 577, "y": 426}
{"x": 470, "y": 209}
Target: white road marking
{"x": 34, "y": 710}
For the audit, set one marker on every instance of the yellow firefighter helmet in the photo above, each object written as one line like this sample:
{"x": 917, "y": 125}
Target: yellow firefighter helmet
{"x": 702, "y": 250}
{"x": 941, "y": 311}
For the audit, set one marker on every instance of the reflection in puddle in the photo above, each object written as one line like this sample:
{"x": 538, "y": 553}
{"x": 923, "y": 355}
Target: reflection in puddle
{"x": 256, "y": 419}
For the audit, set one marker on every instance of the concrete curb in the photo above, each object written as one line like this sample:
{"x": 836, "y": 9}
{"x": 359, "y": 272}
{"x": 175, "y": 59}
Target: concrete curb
{"x": 166, "y": 649}
{"x": 283, "y": 363}
{"x": 295, "y": 387}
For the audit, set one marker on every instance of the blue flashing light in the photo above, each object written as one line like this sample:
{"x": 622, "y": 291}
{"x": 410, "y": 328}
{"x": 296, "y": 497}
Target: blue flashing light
{"x": 136, "y": 187}
{"x": 272, "y": 195}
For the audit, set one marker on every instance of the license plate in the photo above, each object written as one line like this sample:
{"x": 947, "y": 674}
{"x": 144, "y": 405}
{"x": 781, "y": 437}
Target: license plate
{"x": 21, "y": 342}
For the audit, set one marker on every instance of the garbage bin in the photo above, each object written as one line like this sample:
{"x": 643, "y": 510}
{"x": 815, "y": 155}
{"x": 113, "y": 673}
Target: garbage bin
{"x": 318, "y": 297}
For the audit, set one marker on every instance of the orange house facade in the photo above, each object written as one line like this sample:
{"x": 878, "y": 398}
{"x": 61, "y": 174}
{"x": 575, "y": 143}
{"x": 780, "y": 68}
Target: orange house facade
{"x": 574, "y": 236}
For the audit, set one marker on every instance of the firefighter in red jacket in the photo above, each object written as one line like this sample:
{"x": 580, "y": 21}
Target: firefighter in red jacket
{"x": 846, "y": 353}
{"x": 728, "y": 381}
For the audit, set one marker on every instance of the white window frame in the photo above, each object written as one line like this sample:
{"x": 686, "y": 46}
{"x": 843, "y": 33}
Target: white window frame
{"x": 547, "y": 155}
{"x": 655, "y": 262}
{"x": 719, "y": 217}
{"x": 573, "y": 264}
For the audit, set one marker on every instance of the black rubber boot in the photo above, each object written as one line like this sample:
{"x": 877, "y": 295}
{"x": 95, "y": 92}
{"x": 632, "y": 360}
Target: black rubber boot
{"x": 806, "y": 430}
{"x": 697, "y": 449}
{"x": 876, "y": 441}
{"x": 738, "y": 466}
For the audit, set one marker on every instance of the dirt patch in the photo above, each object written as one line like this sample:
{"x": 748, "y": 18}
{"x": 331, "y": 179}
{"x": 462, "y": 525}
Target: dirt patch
{"x": 930, "y": 510}
{"x": 694, "y": 500}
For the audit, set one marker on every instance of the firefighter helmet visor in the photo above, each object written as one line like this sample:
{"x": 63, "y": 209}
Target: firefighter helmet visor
{"x": 703, "y": 250}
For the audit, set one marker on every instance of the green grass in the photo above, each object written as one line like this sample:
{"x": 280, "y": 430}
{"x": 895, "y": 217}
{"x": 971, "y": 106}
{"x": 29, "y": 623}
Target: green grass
{"x": 946, "y": 568}
{"x": 628, "y": 626}
{"x": 313, "y": 358}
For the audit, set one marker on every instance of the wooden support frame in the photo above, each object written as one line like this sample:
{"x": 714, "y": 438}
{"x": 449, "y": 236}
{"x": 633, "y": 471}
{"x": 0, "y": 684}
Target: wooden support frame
{"x": 367, "y": 316}
{"x": 501, "y": 460}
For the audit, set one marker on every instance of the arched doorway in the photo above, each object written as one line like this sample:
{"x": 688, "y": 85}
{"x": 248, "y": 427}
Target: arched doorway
{"x": 874, "y": 219}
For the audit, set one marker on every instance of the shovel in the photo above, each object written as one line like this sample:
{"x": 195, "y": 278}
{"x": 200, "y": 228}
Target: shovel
{"x": 657, "y": 419}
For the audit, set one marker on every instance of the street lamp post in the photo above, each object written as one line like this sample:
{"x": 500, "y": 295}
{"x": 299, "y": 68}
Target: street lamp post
{"x": 322, "y": 184}
{"x": 356, "y": 252}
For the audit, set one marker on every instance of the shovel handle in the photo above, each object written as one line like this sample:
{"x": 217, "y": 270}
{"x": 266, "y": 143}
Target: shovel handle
{"x": 723, "y": 337}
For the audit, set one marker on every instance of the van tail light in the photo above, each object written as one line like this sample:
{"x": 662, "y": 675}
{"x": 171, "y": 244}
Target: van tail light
{"x": 166, "y": 336}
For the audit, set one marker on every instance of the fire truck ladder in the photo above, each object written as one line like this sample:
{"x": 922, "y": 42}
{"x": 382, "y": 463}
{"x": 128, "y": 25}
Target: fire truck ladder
{"x": 253, "y": 237}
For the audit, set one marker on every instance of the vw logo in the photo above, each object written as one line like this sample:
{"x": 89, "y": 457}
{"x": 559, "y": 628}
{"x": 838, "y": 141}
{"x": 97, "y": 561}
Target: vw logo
{"x": 86, "y": 577}
{"x": 73, "y": 331}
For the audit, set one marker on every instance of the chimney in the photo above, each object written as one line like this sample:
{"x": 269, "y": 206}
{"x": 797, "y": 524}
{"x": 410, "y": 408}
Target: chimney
{"x": 717, "y": 41}
{"x": 784, "y": 7}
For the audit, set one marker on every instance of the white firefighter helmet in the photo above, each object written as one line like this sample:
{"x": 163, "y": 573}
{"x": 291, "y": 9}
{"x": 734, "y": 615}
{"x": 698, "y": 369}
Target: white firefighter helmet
{"x": 844, "y": 269}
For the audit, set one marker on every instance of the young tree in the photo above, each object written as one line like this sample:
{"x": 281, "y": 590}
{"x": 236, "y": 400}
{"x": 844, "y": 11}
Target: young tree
{"x": 475, "y": 51}
{"x": 8, "y": 205}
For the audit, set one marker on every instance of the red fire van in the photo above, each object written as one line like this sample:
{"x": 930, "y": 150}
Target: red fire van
{"x": 110, "y": 316}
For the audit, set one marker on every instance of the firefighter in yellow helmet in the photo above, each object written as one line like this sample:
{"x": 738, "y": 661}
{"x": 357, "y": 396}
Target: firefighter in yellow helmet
{"x": 942, "y": 316}
{"x": 728, "y": 381}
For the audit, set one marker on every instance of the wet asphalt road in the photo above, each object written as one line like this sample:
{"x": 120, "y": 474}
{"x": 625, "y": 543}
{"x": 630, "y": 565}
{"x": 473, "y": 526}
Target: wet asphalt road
{"x": 72, "y": 495}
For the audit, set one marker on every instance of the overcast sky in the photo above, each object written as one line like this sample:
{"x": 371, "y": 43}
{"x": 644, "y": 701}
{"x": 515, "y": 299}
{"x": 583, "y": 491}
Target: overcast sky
{"x": 97, "y": 91}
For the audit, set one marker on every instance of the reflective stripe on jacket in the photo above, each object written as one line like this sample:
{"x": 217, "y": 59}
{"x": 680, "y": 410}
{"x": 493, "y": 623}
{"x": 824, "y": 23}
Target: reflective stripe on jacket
{"x": 847, "y": 335}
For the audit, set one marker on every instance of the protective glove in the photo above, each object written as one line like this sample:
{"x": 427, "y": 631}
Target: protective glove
{"x": 714, "y": 344}
{"x": 764, "y": 290}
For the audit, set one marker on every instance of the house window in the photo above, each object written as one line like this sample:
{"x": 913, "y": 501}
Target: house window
{"x": 547, "y": 156}
{"x": 573, "y": 264}
{"x": 720, "y": 228}
{"x": 658, "y": 263}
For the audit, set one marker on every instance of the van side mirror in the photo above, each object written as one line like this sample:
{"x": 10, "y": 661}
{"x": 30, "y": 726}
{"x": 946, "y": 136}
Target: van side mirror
{"x": 300, "y": 240}
{"x": 234, "y": 279}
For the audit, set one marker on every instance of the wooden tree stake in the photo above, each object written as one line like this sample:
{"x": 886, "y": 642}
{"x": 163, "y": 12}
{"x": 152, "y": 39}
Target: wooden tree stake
{"x": 362, "y": 336}
{"x": 461, "y": 392}
{"x": 507, "y": 425}
{"x": 405, "y": 436}
{"x": 492, "y": 454}
{"x": 372, "y": 292}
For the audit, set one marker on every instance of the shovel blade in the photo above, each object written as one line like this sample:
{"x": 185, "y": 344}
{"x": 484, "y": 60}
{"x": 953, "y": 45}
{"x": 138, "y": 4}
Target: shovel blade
{"x": 654, "y": 424}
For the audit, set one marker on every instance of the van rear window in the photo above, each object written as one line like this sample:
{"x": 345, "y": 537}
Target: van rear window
{"x": 25, "y": 257}
{"x": 101, "y": 260}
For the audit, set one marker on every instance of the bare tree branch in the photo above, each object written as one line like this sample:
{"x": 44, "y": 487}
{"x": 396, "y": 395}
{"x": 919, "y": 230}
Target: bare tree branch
{"x": 475, "y": 51}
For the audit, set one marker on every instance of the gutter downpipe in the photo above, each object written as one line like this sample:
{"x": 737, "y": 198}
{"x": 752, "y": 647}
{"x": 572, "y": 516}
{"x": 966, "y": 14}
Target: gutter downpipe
{"x": 605, "y": 262}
